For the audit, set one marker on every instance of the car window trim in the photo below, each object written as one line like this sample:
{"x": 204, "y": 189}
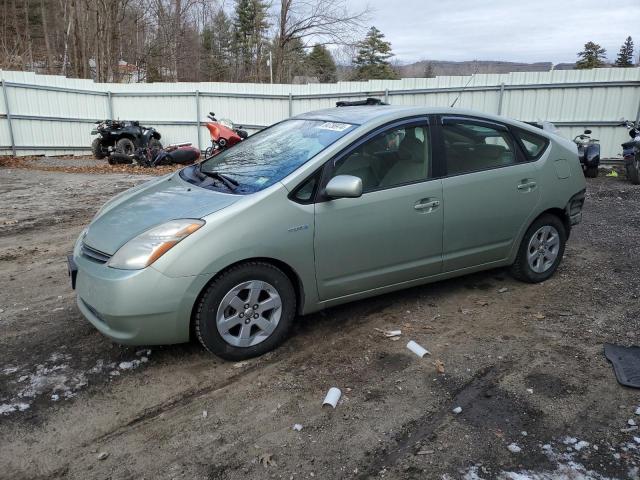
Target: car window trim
{"x": 521, "y": 157}
{"x": 329, "y": 165}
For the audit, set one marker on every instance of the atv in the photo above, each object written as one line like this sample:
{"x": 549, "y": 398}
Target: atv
{"x": 120, "y": 137}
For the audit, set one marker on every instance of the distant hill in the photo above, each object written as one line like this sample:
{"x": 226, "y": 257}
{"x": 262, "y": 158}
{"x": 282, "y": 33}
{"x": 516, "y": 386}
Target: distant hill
{"x": 442, "y": 67}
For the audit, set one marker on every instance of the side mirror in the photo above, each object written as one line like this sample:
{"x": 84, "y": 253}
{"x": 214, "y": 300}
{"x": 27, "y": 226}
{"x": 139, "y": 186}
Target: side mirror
{"x": 344, "y": 186}
{"x": 587, "y": 132}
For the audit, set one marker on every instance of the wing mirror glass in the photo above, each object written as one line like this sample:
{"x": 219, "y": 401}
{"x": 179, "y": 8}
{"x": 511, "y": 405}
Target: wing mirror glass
{"x": 344, "y": 186}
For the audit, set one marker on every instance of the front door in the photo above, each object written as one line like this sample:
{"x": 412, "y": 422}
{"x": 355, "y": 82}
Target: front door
{"x": 490, "y": 192}
{"x": 393, "y": 232}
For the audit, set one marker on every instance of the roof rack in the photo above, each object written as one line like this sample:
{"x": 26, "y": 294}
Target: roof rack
{"x": 358, "y": 103}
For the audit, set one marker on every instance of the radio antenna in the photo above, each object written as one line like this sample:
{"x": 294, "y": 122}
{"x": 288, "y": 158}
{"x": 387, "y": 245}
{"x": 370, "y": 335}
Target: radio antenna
{"x": 464, "y": 88}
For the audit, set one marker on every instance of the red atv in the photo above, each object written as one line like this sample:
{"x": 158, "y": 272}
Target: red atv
{"x": 224, "y": 134}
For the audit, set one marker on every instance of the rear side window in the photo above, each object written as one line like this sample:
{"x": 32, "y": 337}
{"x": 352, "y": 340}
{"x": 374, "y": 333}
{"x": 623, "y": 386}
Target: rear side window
{"x": 533, "y": 144}
{"x": 471, "y": 146}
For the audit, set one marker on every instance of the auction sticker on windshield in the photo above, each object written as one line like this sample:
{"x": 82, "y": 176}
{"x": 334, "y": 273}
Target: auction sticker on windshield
{"x": 334, "y": 126}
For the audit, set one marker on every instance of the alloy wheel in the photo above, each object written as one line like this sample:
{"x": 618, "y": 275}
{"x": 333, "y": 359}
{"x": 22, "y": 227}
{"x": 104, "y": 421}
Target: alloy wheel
{"x": 249, "y": 313}
{"x": 543, "y": 248}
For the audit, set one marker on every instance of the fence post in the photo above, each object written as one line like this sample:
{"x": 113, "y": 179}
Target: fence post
{"x": 500, "y": 98}
{"x": 110, "y": 105}
{"x": 6, "y": 105}
{"x": 198, "y": 116}
{"x": 290, "y": 105}
{"x": 386, "y": 95}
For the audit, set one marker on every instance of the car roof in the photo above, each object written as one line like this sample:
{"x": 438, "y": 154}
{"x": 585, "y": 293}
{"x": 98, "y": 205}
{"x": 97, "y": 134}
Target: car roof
{"x": 361, "y": 115}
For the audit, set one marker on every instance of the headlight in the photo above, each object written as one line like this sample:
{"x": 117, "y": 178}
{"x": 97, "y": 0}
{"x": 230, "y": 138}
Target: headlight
{"x": 146, "y": 248}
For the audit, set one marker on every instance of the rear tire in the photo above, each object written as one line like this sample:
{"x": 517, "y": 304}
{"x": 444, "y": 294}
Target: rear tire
{"x": 633, "y": 170}
{"x": 541, "y": 250}
{"x": 591, "y": 172}
{"x": 96, "y": 148}
{"x": 125, "y": 146}
{"x": 266, "y": 306}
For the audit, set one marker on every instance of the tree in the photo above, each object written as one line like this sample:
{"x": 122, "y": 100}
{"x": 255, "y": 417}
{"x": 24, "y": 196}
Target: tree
{"x": 625, "y": 56}
{"x": 372, "y": 59}
{"x": 428, "y": 71}
{"x": 593, "y": 56}
{"x": 322, "y": 65}
{"x": 250, "y": 31}
{"x": 217, "y": 48}
{"x": 325, "y": 22}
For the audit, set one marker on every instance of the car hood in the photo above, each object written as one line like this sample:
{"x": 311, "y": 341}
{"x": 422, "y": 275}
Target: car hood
{"x": 156, "y": 202}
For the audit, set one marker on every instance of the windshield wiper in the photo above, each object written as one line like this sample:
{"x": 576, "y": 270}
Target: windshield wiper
{"x": 229, "y": 182}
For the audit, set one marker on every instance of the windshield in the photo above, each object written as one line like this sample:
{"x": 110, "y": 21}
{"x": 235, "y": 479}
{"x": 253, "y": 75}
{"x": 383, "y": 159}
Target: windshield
{"x": 268, "y": 156}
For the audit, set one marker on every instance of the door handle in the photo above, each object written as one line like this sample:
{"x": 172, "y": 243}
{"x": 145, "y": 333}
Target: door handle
{"x": 527, "y": 186}
{"x": 426, "y": 204}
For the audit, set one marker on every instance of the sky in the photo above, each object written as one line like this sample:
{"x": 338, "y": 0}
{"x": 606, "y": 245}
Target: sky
{"x": 511, "y": 30}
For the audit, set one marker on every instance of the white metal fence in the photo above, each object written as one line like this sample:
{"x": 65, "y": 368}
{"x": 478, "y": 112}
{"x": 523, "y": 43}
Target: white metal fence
{"x": 52, "y": 115}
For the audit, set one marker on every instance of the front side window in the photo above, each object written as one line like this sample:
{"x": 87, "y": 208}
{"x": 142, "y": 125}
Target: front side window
{"x": 471, "y": 147}
{"x": 395, "y": 157}
{"x": 268, "y": 156}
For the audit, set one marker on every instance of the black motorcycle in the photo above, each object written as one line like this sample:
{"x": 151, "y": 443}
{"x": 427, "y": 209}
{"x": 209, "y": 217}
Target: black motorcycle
{"x": 631, "y": 151}
{"x": 121, "y": 137}
{"x": 589, "y": 153}
{"x": 149, "y": 153}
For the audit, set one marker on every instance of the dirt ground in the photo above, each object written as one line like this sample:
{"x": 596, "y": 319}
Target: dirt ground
{"x": 524, "y": 362}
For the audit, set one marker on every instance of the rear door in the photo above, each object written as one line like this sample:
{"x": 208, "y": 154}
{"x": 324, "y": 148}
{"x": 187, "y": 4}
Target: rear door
{"x": 490, "y": 191}
{"x": 393, "y": 232}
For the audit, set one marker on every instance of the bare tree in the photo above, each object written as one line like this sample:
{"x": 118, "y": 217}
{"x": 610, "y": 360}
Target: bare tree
{"x": 321, "y": 22}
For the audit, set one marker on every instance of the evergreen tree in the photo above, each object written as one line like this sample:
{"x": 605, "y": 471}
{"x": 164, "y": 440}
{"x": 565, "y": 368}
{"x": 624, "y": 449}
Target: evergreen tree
{"x": 322, "y": 65}
{"x": 217, "y": 48}
{"x": 593, "y": 56}
{"x": 372, "y": 61}
{"x": 625, "y": 56}
{"x": 250, "y": 31}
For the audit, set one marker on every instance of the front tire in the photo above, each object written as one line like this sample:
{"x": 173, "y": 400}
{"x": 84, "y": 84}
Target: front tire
{"x": 96, "y": 148}
{"x": 246, "y": 311}
{"x": 541, "y": 250}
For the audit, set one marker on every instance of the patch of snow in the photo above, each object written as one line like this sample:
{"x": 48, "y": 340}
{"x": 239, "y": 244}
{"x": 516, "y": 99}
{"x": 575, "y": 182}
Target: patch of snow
{"x": 514, "y": 448}
{"x": 7, "y": 408}
{"x": 569, "y": 440}
{"x": 565, "y": 469}
{"x": 9, "y": 370}
{"x": 580, "y": 445}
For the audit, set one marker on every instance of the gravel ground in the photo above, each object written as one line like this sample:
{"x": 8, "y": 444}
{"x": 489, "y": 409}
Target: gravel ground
{"x": 524, "y": 363}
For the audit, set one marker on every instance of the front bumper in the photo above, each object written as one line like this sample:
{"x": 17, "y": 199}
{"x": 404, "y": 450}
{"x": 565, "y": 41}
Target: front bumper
{"x": 136, "y": 307}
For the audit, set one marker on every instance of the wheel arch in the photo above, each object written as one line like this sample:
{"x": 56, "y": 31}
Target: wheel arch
{"x": 562, "y": 216}
{"x": 289, "y": 271}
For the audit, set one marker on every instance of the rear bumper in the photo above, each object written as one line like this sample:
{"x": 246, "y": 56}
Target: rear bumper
{"x": 136, "y": 307}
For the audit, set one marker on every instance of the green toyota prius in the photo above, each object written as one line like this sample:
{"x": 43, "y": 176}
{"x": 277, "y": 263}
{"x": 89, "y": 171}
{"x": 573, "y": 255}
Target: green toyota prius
{"x": 321, "y": 209}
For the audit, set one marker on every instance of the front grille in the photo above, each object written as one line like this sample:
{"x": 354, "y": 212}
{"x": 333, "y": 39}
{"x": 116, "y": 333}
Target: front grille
{"x": 93, "y": 254}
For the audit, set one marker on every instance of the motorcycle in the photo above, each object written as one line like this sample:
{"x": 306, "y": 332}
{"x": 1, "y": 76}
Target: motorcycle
{"x": 149, "y": 155}
{"x": 224, "y": 134}
{"x": 631, "y": 151}
{"x": 589, "y": 153}
{"x": 119, "y": 136}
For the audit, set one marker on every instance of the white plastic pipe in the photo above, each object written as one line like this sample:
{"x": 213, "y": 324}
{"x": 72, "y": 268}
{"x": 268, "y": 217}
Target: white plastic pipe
{"x": 333, "y": 395}
{"x": 417, "y": 349}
